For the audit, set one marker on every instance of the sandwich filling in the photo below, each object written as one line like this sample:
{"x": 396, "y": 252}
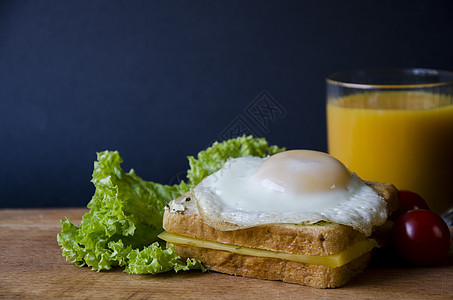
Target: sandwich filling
{"x": 337, "y": 260}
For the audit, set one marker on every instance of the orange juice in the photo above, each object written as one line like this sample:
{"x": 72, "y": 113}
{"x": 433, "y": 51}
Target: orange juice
{"x": 404, "y": 138}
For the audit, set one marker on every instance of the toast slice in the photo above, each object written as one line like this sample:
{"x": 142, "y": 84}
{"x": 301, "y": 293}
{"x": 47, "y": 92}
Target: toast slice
{"x": 283, "y": 252}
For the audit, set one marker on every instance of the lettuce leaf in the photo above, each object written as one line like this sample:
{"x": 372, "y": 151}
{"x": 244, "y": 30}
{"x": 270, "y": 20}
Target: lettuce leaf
{"x": 125, "y": 213}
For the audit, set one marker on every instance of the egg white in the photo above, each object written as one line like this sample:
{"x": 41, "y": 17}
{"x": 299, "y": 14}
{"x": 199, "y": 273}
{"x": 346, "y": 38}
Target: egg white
{"x": 232, "y": 199}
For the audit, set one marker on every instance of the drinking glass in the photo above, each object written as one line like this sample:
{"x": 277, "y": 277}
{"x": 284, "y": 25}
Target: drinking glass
{"x": 395, "y": 126}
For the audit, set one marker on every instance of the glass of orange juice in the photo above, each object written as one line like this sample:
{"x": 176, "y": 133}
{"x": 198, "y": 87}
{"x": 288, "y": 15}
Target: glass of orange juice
{"x": 395, "y": 126}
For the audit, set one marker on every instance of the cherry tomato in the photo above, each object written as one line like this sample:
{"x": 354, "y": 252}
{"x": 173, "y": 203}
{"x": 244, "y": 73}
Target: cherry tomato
{"x": 409, "y": 201}
{"x": 421, "y": 237}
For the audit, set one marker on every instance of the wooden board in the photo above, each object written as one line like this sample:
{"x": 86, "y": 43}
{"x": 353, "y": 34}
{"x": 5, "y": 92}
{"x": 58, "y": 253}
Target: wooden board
{"x": 32, "y": 266}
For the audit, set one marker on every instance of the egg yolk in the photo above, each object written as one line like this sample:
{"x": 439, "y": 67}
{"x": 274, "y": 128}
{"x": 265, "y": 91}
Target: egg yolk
{"x": 301, "y": 172}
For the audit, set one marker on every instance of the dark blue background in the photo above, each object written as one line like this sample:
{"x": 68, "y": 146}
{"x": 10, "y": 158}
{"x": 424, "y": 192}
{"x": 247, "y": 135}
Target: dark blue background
{"x": 159, "y": 80}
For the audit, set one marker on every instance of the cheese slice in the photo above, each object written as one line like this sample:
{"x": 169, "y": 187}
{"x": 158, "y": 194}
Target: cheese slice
{"x": 337, "y": 260}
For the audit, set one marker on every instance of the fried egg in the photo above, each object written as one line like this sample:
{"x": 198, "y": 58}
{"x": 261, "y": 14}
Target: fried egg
{"x": 296, "y": 187}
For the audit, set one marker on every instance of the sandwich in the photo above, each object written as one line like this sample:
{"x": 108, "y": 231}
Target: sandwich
{"x": 297, "y": 216}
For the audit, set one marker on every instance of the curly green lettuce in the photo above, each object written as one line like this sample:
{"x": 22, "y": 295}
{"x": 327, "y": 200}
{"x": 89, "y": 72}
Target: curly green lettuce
{"x": 125, "y": 213}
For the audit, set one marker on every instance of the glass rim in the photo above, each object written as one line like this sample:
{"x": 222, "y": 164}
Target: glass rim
{"x": 413, "y": 71}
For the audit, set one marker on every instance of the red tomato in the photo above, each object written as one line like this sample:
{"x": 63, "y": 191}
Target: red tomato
{"x": 409, "y": 201}
{"x": 421, "y": 237}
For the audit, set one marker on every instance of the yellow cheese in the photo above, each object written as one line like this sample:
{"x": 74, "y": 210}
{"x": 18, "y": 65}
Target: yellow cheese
{"x": 333, "y": 261}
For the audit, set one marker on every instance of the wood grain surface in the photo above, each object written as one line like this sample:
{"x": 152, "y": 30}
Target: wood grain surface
{"x": 32, "y": 267}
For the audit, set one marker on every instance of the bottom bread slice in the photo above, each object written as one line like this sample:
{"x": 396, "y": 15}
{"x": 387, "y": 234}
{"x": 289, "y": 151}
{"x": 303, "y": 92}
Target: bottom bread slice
{"x": 275, "y": 269}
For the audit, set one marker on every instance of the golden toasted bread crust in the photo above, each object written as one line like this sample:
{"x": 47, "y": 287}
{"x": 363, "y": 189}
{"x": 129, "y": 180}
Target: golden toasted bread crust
{"x": 387, "y": 191}
{"x": 275, "y": 269}
{"x": 317, "y": 239}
